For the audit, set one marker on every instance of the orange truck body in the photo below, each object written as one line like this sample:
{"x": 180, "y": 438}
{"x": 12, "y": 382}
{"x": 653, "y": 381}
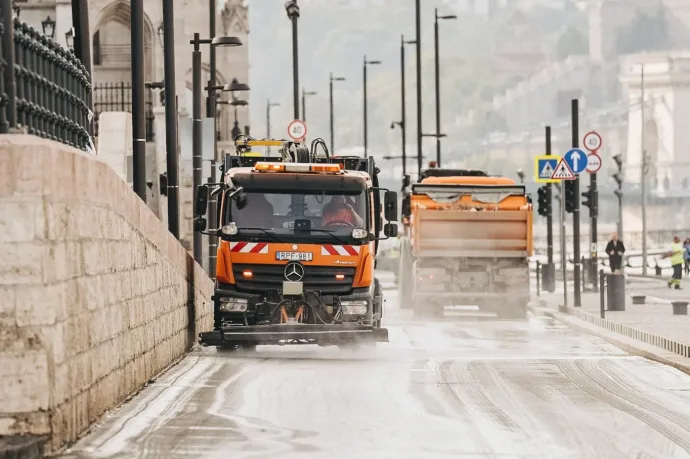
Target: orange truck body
{"x": 289, "y": 279}
{"x": 468, "y": 240}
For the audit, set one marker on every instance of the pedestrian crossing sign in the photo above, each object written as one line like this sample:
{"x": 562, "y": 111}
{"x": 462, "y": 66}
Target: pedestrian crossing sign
{"x": 563, "y": 171}
{"x": 544, "y": 167}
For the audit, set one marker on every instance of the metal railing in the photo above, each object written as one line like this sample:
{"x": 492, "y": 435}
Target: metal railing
{"x": 117, "y": 96}
{"x": 51, "y": 89}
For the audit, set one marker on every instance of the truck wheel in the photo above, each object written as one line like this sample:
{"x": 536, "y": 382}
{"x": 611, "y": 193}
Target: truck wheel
{"x": 226, "y": 348}
{"x": 512, "y": 312}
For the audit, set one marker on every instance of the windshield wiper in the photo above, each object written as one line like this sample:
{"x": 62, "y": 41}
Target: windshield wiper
{"x": 263, "y": 231}
{"x": 332, "y": 233}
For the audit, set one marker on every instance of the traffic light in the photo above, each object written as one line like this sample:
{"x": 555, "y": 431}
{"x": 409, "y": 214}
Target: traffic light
{"x": 587, "y": 202}
{"x": 544, "y": 205}
{"x": 618, "y": 176}
{"x": 590, "y": 201}
{"x": 570, "y": 196}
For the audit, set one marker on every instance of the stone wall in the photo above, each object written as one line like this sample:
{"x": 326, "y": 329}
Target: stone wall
{"x": 96, "y": 296}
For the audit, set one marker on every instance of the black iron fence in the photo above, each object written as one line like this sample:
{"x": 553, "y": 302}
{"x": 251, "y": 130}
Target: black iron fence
{"x": 117, "y": 97}
{"x": 48, "y": 92}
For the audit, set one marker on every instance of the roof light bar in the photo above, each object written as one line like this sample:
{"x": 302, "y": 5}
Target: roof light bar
{"x": 260, "y": 143}
{"x": 298, "y": 167}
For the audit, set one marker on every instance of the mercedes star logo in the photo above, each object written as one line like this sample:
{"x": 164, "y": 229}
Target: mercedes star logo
{"x": 294, "y": 272}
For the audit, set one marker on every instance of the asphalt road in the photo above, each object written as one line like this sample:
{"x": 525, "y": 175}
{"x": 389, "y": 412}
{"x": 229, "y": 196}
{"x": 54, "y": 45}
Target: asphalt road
{"x": 451, "y": 388}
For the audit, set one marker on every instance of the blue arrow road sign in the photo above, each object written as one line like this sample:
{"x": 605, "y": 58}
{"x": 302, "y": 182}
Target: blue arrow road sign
{"x": 576, "y": 159}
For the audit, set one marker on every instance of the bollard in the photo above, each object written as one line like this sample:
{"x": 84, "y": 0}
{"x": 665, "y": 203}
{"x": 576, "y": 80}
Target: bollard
{"x": 538, "y": 266}
{"x": 548, "y": 277}
{"x": 602, "y": 294}
{"x": 638, "y": 299}
{"x": 615, "y": 292}
{"x": 680, "y": 308}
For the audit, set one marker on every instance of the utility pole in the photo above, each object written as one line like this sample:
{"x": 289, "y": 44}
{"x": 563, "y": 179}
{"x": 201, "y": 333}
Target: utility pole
{"x": 366, "y": 121}
{"x": 292, "y": 10}
{"x": 306, "y": 93}
{"x": 171, "y": 117}
{"x": 197, "y": 144}
{"x": 548, "y": 270}
{"x": 577, "y": 285}
{"x": 403, "y": 115}
{"x": 332, "y": 120}
{"x": 418, "y": 40}
{"x": 437, "y": 77}
{"x": 269, "y": 104}
{"x": 643, "y": 174}
{"x": 138, "y": 98}
{"x": 211, "y": 113}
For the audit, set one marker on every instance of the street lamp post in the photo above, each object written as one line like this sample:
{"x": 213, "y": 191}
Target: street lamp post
{"x": 171, "y": 117}
{"x": 418, "y": 40}
{"x": 332, "y": 122}
{"x": 366, "y": 127}
{"x": 197, "y": 141}
{"x": 292, "y": 10}
{"x": 438, "y": 82}
{"x": 403, "y": 121}
{"x": 234, "y": 86}
{"x": 304, "y": 102}
{"x": 138, "y": 100}
{"x": 269, "y": 104}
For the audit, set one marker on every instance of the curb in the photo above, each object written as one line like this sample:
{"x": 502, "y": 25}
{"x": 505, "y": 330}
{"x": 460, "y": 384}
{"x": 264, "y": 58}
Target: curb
{"x": 628, "y": 344}
{"x": 21, "y": 447}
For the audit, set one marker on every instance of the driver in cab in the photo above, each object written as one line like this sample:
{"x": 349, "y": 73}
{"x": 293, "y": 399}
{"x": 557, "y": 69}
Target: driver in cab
{"x": 340, "y": 211}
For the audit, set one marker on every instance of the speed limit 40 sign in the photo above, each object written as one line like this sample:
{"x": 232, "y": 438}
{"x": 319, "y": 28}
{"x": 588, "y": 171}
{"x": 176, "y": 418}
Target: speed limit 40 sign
{"x": 297, "y": 130}
{"x": 592, "y": 141}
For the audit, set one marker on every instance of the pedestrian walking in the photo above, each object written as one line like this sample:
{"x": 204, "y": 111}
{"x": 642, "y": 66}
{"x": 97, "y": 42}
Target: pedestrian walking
{"x": 677, "y": 260}
{"x": 615, "y": 250}
{"x": 686, "y": 255}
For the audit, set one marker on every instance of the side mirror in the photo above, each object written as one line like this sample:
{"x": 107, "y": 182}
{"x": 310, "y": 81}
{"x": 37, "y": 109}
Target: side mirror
{"x": 390, "y": 230}
{"x": 199, "y": 224}
{"x": 390, "y": 204}
{"x": 201, "y": 201}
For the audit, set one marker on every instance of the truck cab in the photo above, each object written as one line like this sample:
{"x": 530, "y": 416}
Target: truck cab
{"x": 298, "y": 238}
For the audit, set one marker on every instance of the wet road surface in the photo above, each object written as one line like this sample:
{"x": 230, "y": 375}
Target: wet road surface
{"x": 452, "y": 388}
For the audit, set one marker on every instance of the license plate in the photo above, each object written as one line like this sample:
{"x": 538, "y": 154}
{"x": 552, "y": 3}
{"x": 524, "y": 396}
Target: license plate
{"x": 294, "y": 256}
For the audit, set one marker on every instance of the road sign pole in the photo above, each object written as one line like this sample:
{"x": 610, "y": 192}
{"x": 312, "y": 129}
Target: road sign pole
{"x": 549, "y": 272}
{"x": 594, "y": 210}
{"x": 564, "y": 257}
{"x": 577, "y": 285}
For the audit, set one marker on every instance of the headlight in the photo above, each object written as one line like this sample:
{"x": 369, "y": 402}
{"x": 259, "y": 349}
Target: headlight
{"x": 233, "y": 304}
{"x": 359, "y": 233}
{"x": 355, "y": 308}
{"x": 230, "y": 229}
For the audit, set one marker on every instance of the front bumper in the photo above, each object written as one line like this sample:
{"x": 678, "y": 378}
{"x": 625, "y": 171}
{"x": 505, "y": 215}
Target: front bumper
{"x": 275, "y": 334}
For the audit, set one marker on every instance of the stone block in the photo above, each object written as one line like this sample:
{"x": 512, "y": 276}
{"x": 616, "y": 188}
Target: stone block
{"x": 90, "y": 293}
{"x": 8, "y": 311}
{"x": 25, "y": 382}
{"x": 63, "y": 260}
{"x": 22, "y": 263}
{"x": 21, "y": 220}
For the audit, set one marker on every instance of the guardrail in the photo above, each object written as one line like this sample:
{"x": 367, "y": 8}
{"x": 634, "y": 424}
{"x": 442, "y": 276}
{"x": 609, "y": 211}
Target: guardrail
{"x": 48, "y": 93}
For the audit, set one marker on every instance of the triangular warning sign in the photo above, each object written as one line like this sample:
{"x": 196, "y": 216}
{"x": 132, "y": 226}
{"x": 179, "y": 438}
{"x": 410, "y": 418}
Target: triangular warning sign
{"x": 547, "y": 171}
{"x": 563, "y": 171}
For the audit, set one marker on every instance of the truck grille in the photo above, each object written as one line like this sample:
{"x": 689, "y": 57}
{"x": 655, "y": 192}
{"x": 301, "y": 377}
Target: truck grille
{"x": 316, "y": 278}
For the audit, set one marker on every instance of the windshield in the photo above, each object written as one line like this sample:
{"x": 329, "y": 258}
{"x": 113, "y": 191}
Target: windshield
{"x": 282, "y": 213}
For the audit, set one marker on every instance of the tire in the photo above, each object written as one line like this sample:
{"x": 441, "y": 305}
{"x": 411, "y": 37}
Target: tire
{"x": 512, "y": 312}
